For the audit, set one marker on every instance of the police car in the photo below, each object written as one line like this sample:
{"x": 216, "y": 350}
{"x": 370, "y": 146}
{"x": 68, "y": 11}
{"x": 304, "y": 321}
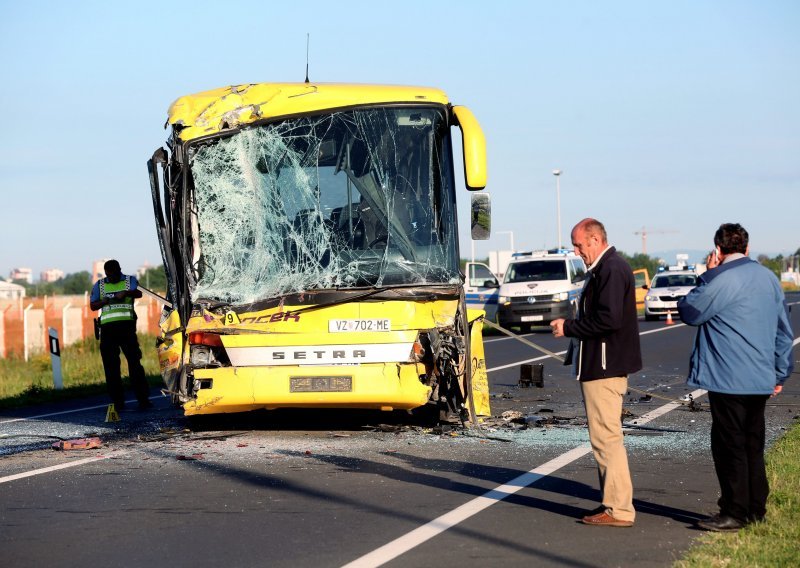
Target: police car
{"x": 539, "y": 287}
{"x": 481, "y": 288}
{"x": 665, "y": 290}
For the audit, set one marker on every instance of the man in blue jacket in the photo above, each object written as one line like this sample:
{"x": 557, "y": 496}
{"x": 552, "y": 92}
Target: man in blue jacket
{"x": 606, "y": 350}
{"x": 742, "y": 355}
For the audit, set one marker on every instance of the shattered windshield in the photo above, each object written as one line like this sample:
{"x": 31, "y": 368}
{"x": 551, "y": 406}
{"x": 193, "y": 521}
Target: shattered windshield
{"x": 350, "y": 199}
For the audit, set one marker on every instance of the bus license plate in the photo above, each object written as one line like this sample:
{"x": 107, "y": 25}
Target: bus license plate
{"x": 320, "y": 384}
{"x": 340, "y": 325}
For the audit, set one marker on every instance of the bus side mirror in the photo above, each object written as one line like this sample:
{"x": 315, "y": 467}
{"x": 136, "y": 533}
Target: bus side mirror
{"x": 481, "y": 216}
{"x": 474, "y": 144}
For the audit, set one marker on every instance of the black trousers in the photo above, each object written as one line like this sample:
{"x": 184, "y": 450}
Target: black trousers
{"x": 118, "y": 336}
{"x": 737, "y": 446}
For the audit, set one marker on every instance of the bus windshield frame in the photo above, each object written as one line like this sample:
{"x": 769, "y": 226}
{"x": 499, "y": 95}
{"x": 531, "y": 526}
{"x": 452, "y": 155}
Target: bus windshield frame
{"x": 347, "y": 199}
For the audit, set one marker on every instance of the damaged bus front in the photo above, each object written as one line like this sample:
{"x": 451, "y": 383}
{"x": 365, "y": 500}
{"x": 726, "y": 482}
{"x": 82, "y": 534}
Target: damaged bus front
{"x": 310, "y": 240}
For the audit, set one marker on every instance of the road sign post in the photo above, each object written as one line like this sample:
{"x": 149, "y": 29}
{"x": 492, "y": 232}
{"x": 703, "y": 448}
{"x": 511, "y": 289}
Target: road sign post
{"x": 55, "y": 358}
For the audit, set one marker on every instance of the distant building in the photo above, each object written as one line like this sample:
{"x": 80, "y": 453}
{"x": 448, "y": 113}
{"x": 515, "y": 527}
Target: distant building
{"x": 25, "y": 274}
{"x": 51, "y": 275}
{"x": 97, "y": 270}
{"x": 11, "y": 291}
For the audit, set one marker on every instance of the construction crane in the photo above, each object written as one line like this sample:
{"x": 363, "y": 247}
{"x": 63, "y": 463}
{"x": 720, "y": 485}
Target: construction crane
{"x": 644, "y": 232}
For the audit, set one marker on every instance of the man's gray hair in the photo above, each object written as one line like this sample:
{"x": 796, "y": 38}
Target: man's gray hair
{"x": 593, "y": 227}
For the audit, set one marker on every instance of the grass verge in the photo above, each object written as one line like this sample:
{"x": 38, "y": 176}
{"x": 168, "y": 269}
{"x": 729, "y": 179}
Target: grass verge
{"x": 29, "y": 382}
{"x": 772, "y": 543}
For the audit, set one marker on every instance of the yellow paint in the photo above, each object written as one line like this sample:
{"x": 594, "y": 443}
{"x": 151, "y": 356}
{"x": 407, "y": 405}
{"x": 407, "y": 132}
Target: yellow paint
{"x": 644, "y": 277}
{"x": 286, "y": 329}
{"x": 207, "y": 113}
{"x": 480, "y": 378}
{"x": 375, "y": 385}
{"x": 170, "y": 348}
{"x": 474, "y": 148}
{"x": 378, "y": 385}
{"x": 250, "y": 388}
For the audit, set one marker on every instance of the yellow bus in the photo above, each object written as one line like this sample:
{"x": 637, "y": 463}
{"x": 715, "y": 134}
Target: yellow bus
{"x": 310, "y": 240}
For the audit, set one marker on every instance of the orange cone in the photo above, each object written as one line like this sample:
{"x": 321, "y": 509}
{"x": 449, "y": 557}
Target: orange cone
{"x": 669, "y": 318}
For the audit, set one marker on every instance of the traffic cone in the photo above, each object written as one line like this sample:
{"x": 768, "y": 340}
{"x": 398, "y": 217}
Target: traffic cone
{"x": 669, "y": 318}
{"x": 111, "y": 414}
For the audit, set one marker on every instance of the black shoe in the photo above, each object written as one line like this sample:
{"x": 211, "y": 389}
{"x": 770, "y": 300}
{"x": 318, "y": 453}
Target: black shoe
{"x": 144, "y": 405}
{"x": 721, "y": 523}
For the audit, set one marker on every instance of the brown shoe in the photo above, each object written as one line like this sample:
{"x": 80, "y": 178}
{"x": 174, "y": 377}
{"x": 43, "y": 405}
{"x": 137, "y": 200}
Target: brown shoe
{"x": 605, "y": 520}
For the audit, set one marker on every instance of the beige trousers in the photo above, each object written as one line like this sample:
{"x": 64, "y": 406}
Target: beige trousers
{"x": 603, "y": 401}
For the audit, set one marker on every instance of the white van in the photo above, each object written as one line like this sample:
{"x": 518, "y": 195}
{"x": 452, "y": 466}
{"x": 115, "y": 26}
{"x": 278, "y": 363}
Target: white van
{"x": 539, "y": 287}
{"x": 481, "y": 288}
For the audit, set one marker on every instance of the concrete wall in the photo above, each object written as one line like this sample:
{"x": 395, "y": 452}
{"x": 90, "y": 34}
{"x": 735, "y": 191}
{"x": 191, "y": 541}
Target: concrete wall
{"x": 35, "y": 331}
{"x": 73, "y": 325}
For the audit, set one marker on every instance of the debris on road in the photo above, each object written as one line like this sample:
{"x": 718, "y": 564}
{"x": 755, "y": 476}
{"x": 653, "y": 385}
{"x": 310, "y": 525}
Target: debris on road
{"x": 78, "y": 444}
{"x": 511, "y": 415}
{"x": 182, "y": 457}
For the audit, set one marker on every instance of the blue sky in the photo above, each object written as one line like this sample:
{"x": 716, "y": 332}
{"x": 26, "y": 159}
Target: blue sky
{"x": 673, "y": 115}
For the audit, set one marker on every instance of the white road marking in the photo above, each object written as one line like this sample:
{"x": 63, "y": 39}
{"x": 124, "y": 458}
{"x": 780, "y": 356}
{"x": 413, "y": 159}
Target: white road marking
{"x": 518, "y": 363}
{"x": 412, "y": 539}
{"x": 416, "y": 537}
{"x": 59, "y": 413}
{"x": 24, "y": 474}
{"x": 505, "y": 338}
{"x": 666, "y": 328}
{"x": 501, "y": 367}
{"x": 419, "y": 535}
{"x": 10, "y": 420}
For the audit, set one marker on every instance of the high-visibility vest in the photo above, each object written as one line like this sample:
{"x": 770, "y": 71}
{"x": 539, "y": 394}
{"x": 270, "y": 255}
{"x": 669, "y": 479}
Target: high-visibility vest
{"x": 119, "y": 310}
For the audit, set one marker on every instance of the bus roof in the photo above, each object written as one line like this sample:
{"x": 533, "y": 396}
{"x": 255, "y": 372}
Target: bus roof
{"x": 213, "y": 111}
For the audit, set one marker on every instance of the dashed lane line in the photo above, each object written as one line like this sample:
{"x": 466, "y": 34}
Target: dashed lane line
{"x": 42, "y": 470}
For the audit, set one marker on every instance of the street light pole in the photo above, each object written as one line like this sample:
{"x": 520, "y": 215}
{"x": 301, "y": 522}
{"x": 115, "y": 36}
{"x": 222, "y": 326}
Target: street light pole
{"x": 557, "y": 173}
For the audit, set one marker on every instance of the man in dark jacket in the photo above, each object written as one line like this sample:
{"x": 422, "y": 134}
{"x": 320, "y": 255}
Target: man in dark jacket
{"x": 605, "y": 350}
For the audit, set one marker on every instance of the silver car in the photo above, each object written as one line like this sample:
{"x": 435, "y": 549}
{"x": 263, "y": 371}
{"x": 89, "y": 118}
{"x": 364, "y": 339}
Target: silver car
{"x": 665, "y": 291}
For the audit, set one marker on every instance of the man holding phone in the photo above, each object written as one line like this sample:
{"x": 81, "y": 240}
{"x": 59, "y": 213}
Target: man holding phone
{"x": 742, "y": 356}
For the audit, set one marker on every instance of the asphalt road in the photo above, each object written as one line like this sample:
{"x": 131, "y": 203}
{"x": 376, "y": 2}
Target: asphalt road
{"x": 320, "y": 489}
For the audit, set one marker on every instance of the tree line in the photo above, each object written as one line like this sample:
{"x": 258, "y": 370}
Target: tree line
{"x": 80, "y": 282}
{"x": 155, "y": 278}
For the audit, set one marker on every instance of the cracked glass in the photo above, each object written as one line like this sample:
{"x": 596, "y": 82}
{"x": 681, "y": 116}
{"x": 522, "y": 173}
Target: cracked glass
{"x": 359, "y": 198}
